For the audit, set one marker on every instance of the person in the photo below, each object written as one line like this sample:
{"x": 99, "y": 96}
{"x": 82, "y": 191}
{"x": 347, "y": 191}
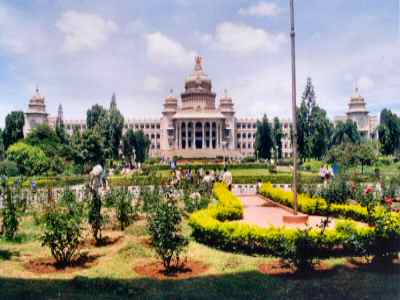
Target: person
{"x": 322, "y": 172}
{"x": 227, "y": 178}
{"x": 258, "y": 185}
{"x": 207, "y": 178}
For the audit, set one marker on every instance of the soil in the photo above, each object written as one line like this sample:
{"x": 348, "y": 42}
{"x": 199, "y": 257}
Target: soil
{"x": 156, "y": 270}
{"x": 104, "y": 242}
{"x": 145, "y": 241}
{"x": 46, "y": 265}
{"x": 362, "y": 264}
{"x": 278, "y": 269}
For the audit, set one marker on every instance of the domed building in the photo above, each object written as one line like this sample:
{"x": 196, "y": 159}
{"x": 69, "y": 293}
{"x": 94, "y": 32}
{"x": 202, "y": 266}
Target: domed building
{"x": 36, "y": 113}
{"x": 358, "y": 113}
{"x": 191, "y": 126}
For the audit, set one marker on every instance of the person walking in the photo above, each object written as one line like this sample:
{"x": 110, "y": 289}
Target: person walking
{"x": 227, "y": 178}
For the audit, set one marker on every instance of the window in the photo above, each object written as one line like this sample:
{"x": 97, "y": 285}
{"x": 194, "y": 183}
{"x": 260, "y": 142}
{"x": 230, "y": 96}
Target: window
{"x": 249, "y": 145}
{"x": 238, "y": 145}
{"x": 254, "y": 125}
{"x": 158, "y": 126}
{"x": 249, "y": 125}
{"x": 152, "y": 126}
{"x": 238, "y": 125}
{"x": 141, "y": 126}
{"x": 158, "y": 146}
{"x": 249, "y": 135}
{"x": 238, "y": 135}
{"x": 147, "y": 126}
{"x": 254, "y": 135}
{"x": 158, "y": 135}
{"x": 243, "y": 135}
{"x": 152, "y": 135}
{"x": 244, "y": 146}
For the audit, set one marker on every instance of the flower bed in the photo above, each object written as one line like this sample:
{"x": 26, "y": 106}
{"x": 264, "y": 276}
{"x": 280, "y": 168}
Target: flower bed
{"x": 219, "y": 226}
{"x": 314, "y": 205}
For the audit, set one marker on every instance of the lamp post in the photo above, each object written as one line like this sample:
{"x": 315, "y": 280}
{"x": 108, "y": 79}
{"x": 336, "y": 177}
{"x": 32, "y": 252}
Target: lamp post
{"x": 294, "y": 105}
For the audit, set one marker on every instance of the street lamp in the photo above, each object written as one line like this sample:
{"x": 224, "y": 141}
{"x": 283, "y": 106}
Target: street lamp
{"x": 294, "y": 105}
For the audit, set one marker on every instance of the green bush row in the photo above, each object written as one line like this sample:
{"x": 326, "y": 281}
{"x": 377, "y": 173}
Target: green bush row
{"x": 314, "y": 205}
{"x": 277, "y": 178}
{"x": 347, "y": 238}
{"x": 211, "y": 166}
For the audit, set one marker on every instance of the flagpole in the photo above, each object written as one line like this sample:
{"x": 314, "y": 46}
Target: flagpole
{"x": 294, "y": 105}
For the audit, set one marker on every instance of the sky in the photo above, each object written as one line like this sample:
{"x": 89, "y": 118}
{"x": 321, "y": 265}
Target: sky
{"x": 79, "y": 52}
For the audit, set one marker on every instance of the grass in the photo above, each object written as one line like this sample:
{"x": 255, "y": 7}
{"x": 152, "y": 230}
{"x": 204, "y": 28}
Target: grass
{"x": 230, "y": 276}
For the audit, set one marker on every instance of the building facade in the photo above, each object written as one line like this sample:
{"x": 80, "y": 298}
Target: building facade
{"x": 196, "y": 126}
{"x": 358, "y": 113}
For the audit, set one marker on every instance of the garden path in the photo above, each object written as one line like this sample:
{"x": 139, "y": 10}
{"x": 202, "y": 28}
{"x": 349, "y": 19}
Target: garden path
{"x": 257, "y": 211}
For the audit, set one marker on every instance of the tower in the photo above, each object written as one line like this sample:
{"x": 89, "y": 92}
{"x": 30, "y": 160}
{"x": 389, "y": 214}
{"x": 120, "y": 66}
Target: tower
{"x": 36, "y": 114}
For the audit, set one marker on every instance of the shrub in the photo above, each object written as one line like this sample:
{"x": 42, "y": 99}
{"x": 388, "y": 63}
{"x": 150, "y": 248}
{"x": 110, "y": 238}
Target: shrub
{"x": 313, "y": 165}
{"x": 164, "y": 227}
{"x": 300, "y": 251}
{"x": 10, "y": 214}
{"x": 31, "y": 160}
{"x": 95, "y": 218}
{"x": 62, "y": 229}
{"x": 8, "y": 168}
{"x": 337, "y": 190}
{"x": 121, "y": 199}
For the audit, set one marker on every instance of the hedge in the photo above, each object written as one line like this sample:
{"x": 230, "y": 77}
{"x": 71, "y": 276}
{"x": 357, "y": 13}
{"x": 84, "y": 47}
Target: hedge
{"x": 219, "y": 226}
{"x": 314, "y": 205}
{"x": 277, "y": 178}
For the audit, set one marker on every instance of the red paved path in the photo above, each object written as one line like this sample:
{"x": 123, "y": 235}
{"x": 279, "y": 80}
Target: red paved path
{"x": 264, "y": 216}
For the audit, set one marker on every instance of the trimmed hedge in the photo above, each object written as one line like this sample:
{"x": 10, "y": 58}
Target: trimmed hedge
{"x": 210, "y": 226}
{"x": 277, "y": 178}
{"x": 314, "y": 205}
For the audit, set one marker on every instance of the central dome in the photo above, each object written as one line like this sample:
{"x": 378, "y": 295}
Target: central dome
{"x": 198, "y": 94}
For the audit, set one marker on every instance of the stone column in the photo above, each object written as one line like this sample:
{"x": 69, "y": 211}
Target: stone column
{"x": 176, "y": 135}
{"x": 217, "y": 143}
{"x": 203, "y": 144}
{"x": 180, "y": 136}
{"x": 187, "y": 136}
{"x": 211, "y": 123}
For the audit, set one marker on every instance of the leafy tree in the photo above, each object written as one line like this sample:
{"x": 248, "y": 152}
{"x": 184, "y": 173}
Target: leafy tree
{"x": 31, "y": 160}
{"x": 345, "y": 132}
{"x": 277, "y": 133}
{"x": 389, "y": 132}
{"x": 60, "y": 128}
{"x": 264, "y": 140}
{"x": 91, "y": 148}
{"x": 14, "y": 128}
{"x": 343, "y": 154}
{"x": 116, "y": 125}
{"x": 142, "y": 145}
{"x": 95, "y": 116}
{"x": 44, "y": 137}
{"x": 2, "y": 148}
{"x": 313, "y": 127}
{"x": 365, "y": 154}
{"x": 128, "y": 145}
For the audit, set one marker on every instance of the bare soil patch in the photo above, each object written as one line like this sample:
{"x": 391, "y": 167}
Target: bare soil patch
{"x": 46, "y": 265}
{"x": 104, "y": 242}
{"x": 278, "y": 269}
{"x": 191, "y": 268}
{"x": 362, "y": 264}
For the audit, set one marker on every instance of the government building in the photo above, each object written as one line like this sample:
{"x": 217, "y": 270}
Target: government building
{"x": 196, "y": 125}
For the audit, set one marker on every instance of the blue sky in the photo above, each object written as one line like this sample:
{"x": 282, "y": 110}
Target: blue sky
{"x": 80, "y": 52}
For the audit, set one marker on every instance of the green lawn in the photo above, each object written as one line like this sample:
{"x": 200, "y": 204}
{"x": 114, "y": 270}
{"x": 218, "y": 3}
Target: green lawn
{"x": 230, "y": 276}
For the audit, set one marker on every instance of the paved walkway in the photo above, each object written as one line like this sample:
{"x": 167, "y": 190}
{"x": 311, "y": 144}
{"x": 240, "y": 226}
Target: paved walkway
{"x": 257, "y": 211}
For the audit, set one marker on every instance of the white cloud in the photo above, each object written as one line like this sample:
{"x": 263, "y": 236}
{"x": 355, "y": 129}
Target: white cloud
{"x": 152, "y": 84}
{"x": 261, "y": 9}
{"x": 84, "y": 31}
{"x": 242, "y": 39}
{"x": 163, "y": 50}
{"x": 18, "y": 33}
{"x": 365, "y": 83}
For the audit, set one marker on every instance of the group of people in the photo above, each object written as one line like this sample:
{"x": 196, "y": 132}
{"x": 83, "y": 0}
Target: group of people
{"x": 326, "y": 173}
{"x": 203, "y": 176}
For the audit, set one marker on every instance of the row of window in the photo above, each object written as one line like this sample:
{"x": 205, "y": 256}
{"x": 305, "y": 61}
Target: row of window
{"x": 152, "y": 136}
{"x": 243, "y": 135}
{"x": 245, "y": 125}
{"x": 245, "y": 146}
{"x": 142, "y": 126}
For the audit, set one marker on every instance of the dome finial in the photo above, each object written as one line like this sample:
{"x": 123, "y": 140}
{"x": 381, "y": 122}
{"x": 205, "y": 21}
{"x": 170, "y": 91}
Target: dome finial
{"x": 226, "y": 92}
{"x": 171, "y": 91}
{"x": 198, "y": 59}
{"x": 37, "y": 89}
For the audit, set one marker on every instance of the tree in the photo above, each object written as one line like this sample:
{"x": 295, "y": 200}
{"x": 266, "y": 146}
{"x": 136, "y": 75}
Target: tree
{"x": 91, "y": 148}
{"x": 277, "y": 133}
{"x": 128, "y": 145}
{"x": 45, "y": 138}
{"x": 60, "y": 128}
{"x": 116, "y": 125}
{"x": 313, "y": 127}
{"x": 1, "y": 145}
{"x": 14, "y": 128}
{"x": 264, "y": 140}
{"x": 389, "y": 132}
{"x": 321, "y": 133}
{"x": 142, "y": 145}
{"x": 95, "y": 116}
{"x": 31, "y": 160}
{"x": 345, "y": 132}
{"x": 365, "y": 154}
